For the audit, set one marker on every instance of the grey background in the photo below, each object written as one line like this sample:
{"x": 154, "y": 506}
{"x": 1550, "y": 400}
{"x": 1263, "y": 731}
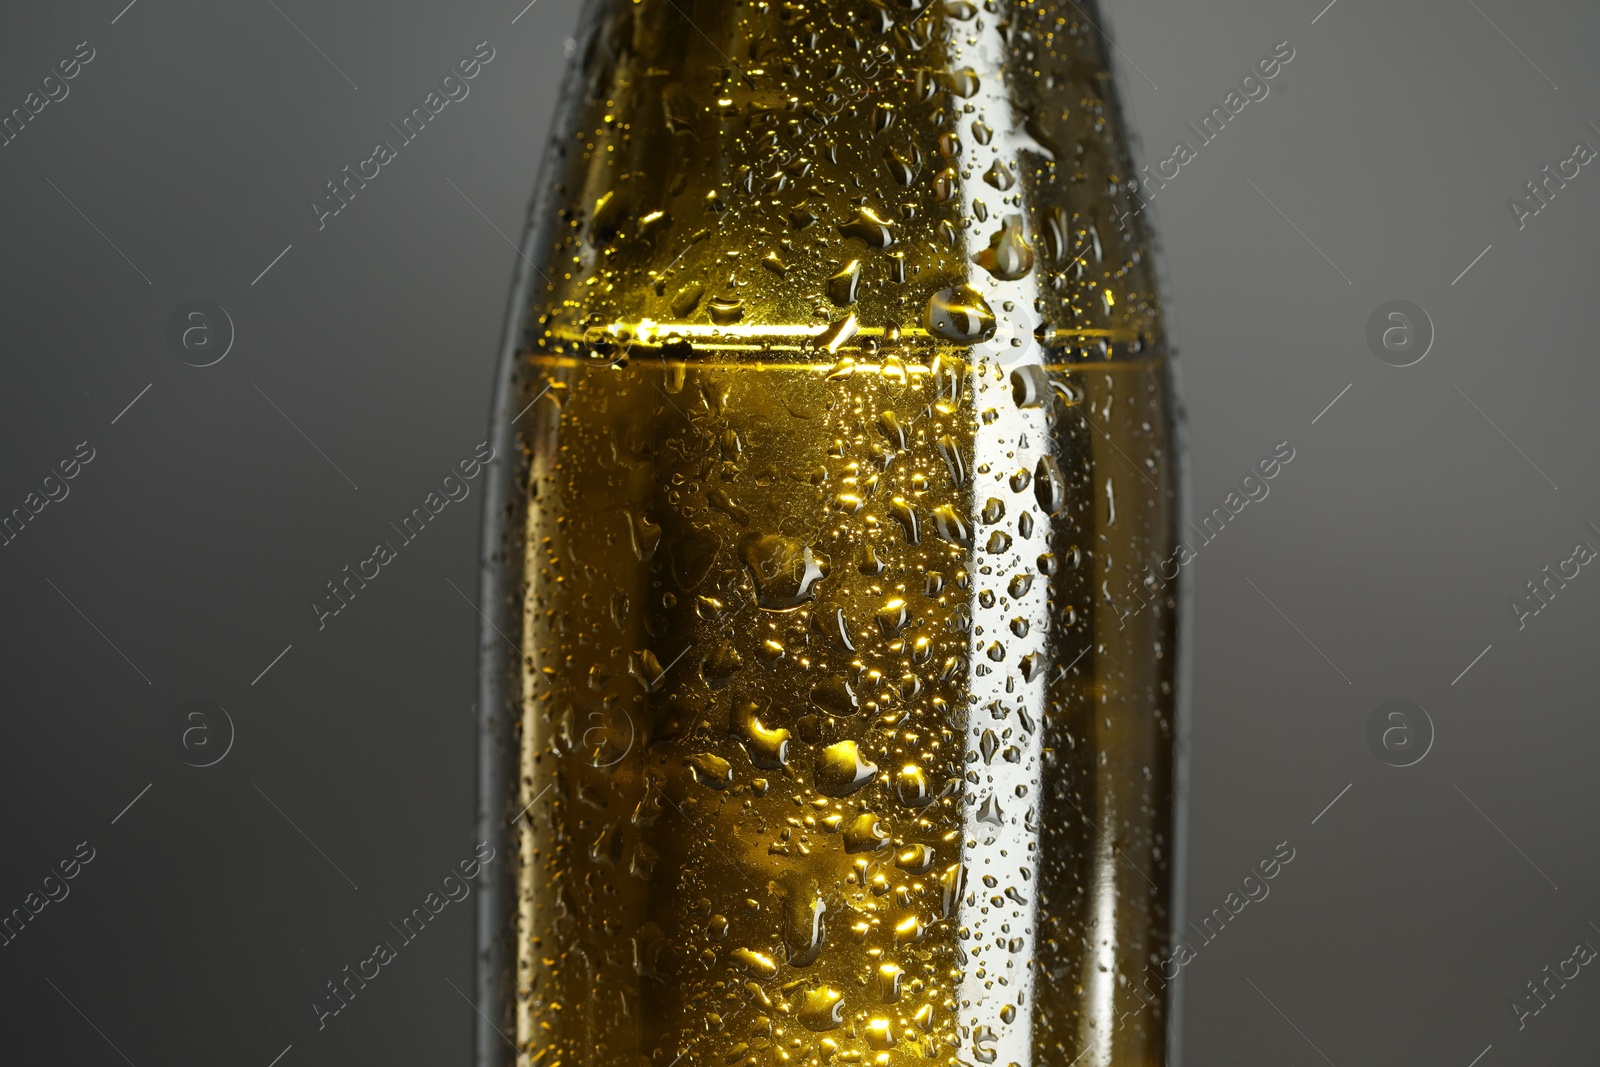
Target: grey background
{"x": 219, "y": 904}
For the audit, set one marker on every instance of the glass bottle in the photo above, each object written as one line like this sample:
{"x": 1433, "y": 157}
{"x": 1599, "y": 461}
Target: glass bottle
{"x": 828, "y": 711}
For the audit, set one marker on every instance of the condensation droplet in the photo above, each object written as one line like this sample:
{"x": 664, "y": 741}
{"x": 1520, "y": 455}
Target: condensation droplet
{"x": 1049, "y": 487}
{"x": 843, "y": 286}
{"x": 784, "y": 570}
{"x": 1009, "y": 255}
{"x": 820, "y": 1009}
{"x": 726, "y": 310}
{"x": 711, "y": 770}
{"x": 756, "y": 964}
{"x": 959, "y": 314}
{"x": 892, "y": 617}
{"x": 911, "y": 786}
{"x": 841, "y": 770}
{"x": 902, "y": 511}
{"x": 871, "y": 228}
{"x": 950, "y": 452}
{"x": 1000, "y": 176}
{"x": 951, "y": 526}
{"x": 865, "y": 833}
{"x": 963, "y": 82}
{"x": 768, "y": 748}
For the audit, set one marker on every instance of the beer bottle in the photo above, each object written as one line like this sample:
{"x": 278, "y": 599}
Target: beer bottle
{"x": 829, "y": 710}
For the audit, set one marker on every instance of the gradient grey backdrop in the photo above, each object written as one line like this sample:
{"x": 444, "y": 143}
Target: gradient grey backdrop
{"x": 185, "y": 557}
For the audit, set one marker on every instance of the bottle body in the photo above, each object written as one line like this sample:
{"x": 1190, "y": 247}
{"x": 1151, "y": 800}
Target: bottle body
{"x": 829, "y": 708}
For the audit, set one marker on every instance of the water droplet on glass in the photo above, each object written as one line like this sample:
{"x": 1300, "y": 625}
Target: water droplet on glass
{"x": 906, "y": 515}
{"x": 841, "y": 770}
{"x": 1049, "y": 487}
{"x": 835, "y": 335}
{"x": 687, "y": 300}
{"x": 963, "y": 82}
{"x": 889, "y": 976}
{"x": 892, "y": 617}
{"x": 911, "y": 786}
{"x": 914, "y": 859}
{"x": 756, "y": 964}
{"x": 803, "y": 929}
{"x": 843, "y": 285}
{"x": 711, "y": 770}
{"x": 784, "y": 570}
{"x": 874, "y": 230}
{"x": 1030, "y": 386}
{"x": 909, "y": 930}
{"x": 889, "y": 425}
{"x": 723, "y": 663}
{"x": 726, "y": 310}
{"x": 865, "y": 833}
{"x": 999, "y": 175}
{"x": 834, "y": 695}
{"x": 645, "y": 668}
{"x": 1009, "y": 255}
{"x": 951, "y": 526}
{"x": 959, "y": 314}
{"x": 768, "y": 748}
{"x": 820, "y": 1010}
{"x": 950, "y": 452}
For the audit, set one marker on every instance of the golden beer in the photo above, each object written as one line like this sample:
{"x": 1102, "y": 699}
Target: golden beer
{"x": 829, "y": 712}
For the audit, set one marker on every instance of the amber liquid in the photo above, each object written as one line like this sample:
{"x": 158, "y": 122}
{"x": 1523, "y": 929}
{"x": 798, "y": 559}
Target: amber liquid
{"x": 832, "y": 749}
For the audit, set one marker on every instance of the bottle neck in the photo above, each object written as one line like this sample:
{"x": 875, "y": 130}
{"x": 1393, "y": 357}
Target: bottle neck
{"x": 763, "y": 174}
